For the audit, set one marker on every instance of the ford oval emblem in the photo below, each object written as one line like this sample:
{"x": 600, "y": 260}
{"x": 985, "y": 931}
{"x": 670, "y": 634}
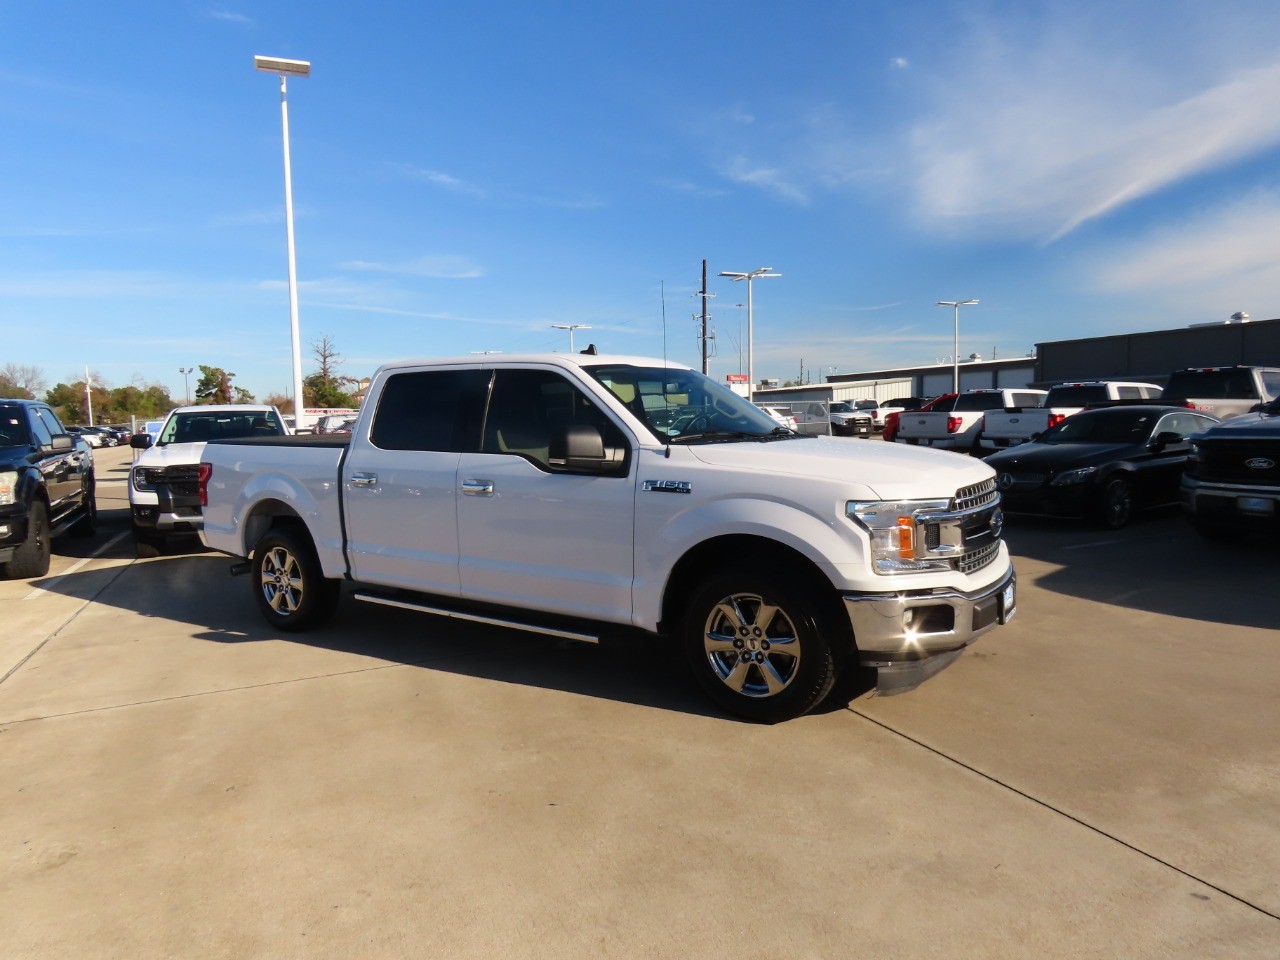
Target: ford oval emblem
{"x": 1259, "y": 463}
{"x": 1013, "y": 419}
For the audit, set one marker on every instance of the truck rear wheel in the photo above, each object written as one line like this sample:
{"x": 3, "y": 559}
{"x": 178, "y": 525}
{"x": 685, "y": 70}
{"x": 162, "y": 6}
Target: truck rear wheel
{"x": 291, "y": 590}
{"x": 757, "y": 645}
{"x": 31, "y": 557}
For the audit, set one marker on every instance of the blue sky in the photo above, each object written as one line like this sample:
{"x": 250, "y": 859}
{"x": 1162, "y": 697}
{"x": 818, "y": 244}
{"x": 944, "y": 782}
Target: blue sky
{"x": 466, "y": 175}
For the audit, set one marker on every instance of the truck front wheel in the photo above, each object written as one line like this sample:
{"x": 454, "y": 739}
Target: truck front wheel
{"x": 31, "y": 558}
{"x": 292, "y": 591}
{"x": 757, "y": 645}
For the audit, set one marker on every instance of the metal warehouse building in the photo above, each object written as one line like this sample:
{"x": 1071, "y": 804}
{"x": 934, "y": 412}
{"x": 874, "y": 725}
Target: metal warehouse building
{"x": 1148, "y": 357}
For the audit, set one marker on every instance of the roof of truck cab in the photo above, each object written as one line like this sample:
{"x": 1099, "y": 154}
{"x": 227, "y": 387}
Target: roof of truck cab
{"x": 517, "y": 359}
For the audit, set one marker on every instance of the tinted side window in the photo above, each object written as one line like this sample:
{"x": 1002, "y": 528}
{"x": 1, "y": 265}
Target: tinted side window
{"x": 44, "y": 425}
{"x": 430, "y": 410}
{"x": 1129, "y": 393}
{"x": 1270, "y": 382}
{"x": 528, "y": 406}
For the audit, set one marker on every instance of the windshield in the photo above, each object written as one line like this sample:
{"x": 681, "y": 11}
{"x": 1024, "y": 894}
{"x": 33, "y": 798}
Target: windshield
{"x": 841, "y": 407}
{"x": 1103, "y": 426}
{"x": 679, "y": 405}
{"x": 1228, "y": 384}
{"x": 13, "y": 426}
{"x": 867, "y": 404}
{"x": 200, "y": 427}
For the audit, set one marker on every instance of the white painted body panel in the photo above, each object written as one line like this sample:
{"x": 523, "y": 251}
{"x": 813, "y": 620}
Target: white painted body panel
{"x": 595, "y": 547}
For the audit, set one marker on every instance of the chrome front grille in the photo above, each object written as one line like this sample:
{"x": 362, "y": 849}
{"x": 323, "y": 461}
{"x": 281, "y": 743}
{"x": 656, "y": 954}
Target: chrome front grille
{"x": 977, "y": 559}
{"x": 977, "y": 495}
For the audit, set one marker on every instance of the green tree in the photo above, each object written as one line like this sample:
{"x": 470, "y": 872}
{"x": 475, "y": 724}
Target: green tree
{"x": 214, "y": 385}
{"x": 68, "y": 400}
{"x": 12, "y": 391}
{"x": 325, "y": 388}
{"x": 281, "y": 402}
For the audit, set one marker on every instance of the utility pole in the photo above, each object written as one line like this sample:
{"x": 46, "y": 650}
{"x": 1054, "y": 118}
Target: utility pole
{"x": 704, "y": 316}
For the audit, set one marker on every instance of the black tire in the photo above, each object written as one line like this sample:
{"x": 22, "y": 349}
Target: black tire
{"x": 1115, "y": 507}
{"x": 147, "y": 544}
{"x": 288, "y": 584}
{"x": 87, "y": 525}
{"x": 31, "y": 557}
{"x": 759, "y": 645}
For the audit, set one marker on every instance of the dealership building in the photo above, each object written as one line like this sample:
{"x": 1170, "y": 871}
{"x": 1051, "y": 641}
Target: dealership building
{"x": 1145, "y": 357}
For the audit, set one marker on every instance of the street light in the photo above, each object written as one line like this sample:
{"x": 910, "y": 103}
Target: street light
{"x": 735, "y": 277}
{"x": 570, "y": 327}
{"x": 955, "y": 353}
{"x": 185, "y": 382}
{"x": 289, "y": 68}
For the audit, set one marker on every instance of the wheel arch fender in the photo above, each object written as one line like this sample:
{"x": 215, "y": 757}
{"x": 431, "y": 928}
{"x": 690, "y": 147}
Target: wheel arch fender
{"x": 273, "y": 499}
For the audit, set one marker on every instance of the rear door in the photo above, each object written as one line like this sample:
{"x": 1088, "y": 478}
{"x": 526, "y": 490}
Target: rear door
{"x": 400, "y": 478}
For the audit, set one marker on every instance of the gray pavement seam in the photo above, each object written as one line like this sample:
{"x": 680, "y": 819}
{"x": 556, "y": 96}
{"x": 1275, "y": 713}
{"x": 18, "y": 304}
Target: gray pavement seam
{"x": 63, "y": 625}
{"x": 1062, "y": 813}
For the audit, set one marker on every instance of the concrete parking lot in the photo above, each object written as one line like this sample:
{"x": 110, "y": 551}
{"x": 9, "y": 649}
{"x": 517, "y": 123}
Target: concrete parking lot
{"x": 1101, "y": 778}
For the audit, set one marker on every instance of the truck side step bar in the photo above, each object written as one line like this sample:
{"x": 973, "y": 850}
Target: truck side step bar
{"x": 476, "y": 618}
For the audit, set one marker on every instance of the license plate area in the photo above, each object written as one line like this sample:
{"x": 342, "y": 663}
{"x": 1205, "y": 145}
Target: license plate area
{"x": 1256, "y": 506}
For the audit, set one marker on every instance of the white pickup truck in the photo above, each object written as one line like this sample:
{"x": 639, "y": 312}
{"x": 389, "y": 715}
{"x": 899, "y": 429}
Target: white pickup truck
{"x": 958, "y": 427}
{"x": 1008, "y": 428}
{"x": 590, "y": 496}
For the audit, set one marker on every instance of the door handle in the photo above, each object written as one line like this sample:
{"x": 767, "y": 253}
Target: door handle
{"x": 477, "y": 488}
{"x": 364, "y": 479}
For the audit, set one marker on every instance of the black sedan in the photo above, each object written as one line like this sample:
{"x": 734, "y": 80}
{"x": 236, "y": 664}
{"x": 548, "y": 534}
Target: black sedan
{"x": 1102, "y": 464}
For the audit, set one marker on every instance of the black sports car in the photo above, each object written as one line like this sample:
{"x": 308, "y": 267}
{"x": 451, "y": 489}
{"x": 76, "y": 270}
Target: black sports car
{"x": 1101, "y": 463}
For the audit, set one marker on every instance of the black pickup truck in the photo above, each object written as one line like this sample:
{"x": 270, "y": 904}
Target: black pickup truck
{"x": 1231, "y": 482}
{"x": 46, "y": 487}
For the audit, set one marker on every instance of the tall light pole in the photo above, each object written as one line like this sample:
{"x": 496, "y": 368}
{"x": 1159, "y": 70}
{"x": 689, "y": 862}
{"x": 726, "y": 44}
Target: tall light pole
{"x": 735, "y": 277}
{"x": 289, "y": 68}
{"x": 570, "y": 327}
{"x": 955, "y": 353}
{"x": 186, "y": 384}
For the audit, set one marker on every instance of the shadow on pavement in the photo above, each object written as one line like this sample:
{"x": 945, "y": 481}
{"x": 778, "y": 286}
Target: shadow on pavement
{"x": 1158, "y": 564}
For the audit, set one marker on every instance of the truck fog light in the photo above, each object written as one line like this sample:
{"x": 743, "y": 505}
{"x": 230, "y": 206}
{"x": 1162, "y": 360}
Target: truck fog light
{"x": 908, "y": 618}
{"x": 4, "y": 529}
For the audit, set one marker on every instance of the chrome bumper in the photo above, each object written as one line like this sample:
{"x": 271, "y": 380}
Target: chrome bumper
{"x": 908, "y": 636}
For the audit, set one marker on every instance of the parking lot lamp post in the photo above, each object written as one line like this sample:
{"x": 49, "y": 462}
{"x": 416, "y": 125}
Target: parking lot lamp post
{"x": 186, "y": 382}
{"x": 736, "y": 277}
{"x": 955, "y": 353}
{"x": 570, "y": 327}
{"x": 289, "y": 68}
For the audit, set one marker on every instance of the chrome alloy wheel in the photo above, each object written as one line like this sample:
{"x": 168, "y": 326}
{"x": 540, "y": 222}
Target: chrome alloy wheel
{"x": 282, "y": 583}
{"x": 751, "y": 645}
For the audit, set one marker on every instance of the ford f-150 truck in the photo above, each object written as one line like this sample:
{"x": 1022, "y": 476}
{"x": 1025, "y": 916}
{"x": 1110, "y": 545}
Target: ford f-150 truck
{"x": 959, "y": 427}
{"x": 164, "y": 496}
{"x": 1008, "y": 428}
{"x": 1231, "y": 481}
{"x": 587, "y": 496}
{"x": 46, "y": 487}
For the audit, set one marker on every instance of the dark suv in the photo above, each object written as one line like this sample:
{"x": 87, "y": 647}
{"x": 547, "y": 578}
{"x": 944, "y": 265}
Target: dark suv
{"x": 46, "y": 487}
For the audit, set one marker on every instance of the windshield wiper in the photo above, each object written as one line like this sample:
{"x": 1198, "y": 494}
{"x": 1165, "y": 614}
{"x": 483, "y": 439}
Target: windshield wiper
{"x": 777, "y": 433}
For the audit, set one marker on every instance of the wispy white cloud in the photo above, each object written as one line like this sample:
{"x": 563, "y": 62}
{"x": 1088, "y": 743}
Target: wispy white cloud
{"x": 229, "y": 16}
{"x": 771, "y": 178}
{"x": 436, "y": 178}
{"x": 1209, "y": 265}
{"x": 444, "y": 267}
{"x": 899, "y": 63}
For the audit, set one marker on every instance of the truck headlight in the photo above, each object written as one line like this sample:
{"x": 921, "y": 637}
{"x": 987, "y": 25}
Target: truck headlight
{"x": 8, "y": 487}
{"x": 1074, "y": 476}
{"x": 896, "y": 539}
{"x": 141, "y": 480}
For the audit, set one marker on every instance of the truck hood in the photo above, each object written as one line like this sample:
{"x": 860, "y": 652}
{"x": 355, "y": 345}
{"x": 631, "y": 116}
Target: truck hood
{"x": 1247, "y": 426}
{"x": 890, "y": 471}
{"x": 171, "y": 454}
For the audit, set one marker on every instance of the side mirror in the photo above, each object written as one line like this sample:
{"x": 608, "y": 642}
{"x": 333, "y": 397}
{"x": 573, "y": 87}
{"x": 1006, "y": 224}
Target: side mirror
{"x": 1166, "y": 438}
{"x": 579, "y": 448}
{"x": 141, "y": 441}
{"x": 61, "y": 443}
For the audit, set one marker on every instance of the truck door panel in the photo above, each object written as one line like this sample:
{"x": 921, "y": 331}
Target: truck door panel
{"x": 534, "y": 537}
{"x": 400, "y": 481}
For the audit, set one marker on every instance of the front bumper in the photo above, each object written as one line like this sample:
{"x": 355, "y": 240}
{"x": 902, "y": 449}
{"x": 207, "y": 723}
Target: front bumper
{"x": 1231, "y": 505}
{"x": 172, "y": 512}
{"x": 856, "y": 428}
{"x": 910, "y": 635}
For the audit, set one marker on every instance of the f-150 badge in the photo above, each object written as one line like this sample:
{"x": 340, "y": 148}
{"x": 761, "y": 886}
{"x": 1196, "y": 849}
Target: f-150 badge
{"x": 667, "y": 486}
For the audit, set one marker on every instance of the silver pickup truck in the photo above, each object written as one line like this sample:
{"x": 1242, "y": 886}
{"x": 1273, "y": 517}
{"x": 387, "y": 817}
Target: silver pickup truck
{"x": 1008, "y": 428}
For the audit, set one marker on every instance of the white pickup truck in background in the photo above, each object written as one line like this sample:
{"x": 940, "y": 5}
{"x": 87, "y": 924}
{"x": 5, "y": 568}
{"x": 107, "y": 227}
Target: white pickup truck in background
{"x": 959, "y": 427}
{"x": 1008, "y": 428}
{"x": 585, "y": 496}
